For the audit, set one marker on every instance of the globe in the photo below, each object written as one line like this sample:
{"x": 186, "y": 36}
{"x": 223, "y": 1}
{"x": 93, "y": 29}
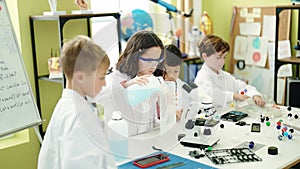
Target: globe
{"x": 135, "y": 21}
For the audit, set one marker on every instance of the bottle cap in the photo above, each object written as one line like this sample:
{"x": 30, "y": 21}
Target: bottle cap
{"x": 116, "y": 115}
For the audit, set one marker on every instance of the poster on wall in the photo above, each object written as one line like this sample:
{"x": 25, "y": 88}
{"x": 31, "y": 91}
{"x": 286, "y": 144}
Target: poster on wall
{"x": 284, "y": 49}
{"x": 257, "y": 51}
{"x": 269, "y": 25}
{"x": 240, "y": 48}
{"x": 251, "y": 29}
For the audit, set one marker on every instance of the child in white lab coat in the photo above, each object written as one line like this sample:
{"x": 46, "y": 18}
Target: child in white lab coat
{"x": 220, "y": 85}
{"x": 75, "y": 138}
{"x": 172, "y": 66}
{"x": 135, "y": 66}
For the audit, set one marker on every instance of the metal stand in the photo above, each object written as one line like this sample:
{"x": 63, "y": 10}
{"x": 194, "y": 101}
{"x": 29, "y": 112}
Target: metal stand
{"x": 38, "y": 134}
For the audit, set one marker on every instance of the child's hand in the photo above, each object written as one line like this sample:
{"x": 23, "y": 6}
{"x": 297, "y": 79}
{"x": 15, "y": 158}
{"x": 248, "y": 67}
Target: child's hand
{"x": 141, "y": 80}
{"x": 258, "y": 100}
{"x": 178, "y": 114}
{"x": 240, "y": 97}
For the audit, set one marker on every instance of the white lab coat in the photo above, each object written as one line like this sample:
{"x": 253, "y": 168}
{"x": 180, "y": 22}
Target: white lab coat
{"x": 74, "y": 138}
{"x": 113, "y": 97}
{"x": 222, "y": 86}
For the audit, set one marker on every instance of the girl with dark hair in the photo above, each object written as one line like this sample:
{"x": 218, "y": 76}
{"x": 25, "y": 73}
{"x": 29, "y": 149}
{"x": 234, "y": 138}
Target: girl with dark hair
{"x": 127, "y": 89}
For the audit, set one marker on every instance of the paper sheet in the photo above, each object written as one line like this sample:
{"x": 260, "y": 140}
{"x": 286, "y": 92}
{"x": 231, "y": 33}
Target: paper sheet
{"x": 257, "y": 51}
{"x": 268, "y": 29}
{"x": 250, "y": 28}
{"x": 240, "y": 48}
{"x": 284, "y": 50}
{"x": 280, "y": 90}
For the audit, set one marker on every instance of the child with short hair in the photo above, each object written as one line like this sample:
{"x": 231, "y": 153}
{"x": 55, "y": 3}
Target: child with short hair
{"x": 172, "y": 66}
{"x": 220, "y": 85}
{"x": 75, "y": 135}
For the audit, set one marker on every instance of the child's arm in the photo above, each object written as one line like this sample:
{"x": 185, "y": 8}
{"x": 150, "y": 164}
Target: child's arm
{"x": 178, "y": 114}
{"x": 219, "y": 96}
{"x": 240, "y": 97}
{"x": 258, "y": 100}
{"x": 141, "y": 80}
{"x": 245, "y": 91}
{"x": 250, "y": 91}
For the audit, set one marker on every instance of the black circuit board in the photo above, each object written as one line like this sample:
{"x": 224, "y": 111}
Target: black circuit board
{"x": 233, "y": 155}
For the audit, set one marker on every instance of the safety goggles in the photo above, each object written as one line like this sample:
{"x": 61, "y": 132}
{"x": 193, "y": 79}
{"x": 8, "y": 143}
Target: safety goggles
{"x": 159, "y": 60}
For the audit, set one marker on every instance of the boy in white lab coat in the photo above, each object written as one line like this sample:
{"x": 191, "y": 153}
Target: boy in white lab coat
{"x": 75, "y": 135}
{"x": 172, "y": 65}
{"x": 220, "y": 85}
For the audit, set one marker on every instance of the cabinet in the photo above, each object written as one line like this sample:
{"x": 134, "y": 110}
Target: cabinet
{"x": 290, "y": 60}
{"x": 61, "y": 21}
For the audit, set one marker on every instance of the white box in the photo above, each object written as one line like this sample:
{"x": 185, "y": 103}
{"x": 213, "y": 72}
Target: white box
{"x": 82, "y": 12}
{"x": 49, "y": 13}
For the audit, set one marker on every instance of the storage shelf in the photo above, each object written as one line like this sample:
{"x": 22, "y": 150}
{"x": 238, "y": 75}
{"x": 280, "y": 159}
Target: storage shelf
{"x": 191, "y": 58}
{"x": 72, "y": 16}
{"x": 46, "y": 78}
{"x": 282, "y": 7}
{"x": 61, "y": 21}
{"x": 288, "y": 60}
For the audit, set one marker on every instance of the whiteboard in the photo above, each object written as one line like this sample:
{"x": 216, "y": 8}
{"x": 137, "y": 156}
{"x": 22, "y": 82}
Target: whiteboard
{"x": 18, "y": 109}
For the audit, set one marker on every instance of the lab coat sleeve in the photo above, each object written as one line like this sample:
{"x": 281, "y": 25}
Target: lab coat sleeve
{"x": 240, "y": 86}
{"x": 48, "y": 156}
{"x": 220, "y": 97}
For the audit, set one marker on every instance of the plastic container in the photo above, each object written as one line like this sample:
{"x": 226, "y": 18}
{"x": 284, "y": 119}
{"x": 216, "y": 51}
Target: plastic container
{"x": 206, "y": 25}
{"x": 136, "y": 93}
{"x": 117, "y": 135}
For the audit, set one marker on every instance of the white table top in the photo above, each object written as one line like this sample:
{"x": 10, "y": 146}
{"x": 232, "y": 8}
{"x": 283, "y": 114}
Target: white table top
{"x": 230, "y": 136}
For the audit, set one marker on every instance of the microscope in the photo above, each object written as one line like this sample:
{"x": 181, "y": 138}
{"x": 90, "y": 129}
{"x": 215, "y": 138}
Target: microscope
{"x": 198, "y": 119}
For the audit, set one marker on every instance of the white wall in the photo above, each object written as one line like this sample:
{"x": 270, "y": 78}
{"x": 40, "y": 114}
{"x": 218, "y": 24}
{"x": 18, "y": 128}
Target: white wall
{"x": 104, "y": 32}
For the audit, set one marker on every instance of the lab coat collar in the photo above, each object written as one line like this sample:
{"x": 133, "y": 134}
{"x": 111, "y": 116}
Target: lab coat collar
{"x": 211, "y": 72}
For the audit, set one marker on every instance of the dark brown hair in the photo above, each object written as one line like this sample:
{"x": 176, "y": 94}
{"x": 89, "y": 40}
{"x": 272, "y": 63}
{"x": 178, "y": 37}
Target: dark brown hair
{"x": 172, "y": 58}
{"x": 173, "y": 55}
{"x": 136, "y": 46}
{"x": 211, "y": 44}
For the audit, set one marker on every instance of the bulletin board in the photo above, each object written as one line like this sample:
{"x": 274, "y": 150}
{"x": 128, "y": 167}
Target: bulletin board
{"x": 238, "y": 17}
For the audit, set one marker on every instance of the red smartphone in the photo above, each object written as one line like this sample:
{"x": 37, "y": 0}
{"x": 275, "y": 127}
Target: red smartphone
{"x": 151, "y": 160}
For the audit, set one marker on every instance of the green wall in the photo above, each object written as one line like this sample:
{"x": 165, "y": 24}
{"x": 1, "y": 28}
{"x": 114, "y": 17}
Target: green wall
{"x": 25, "y": 156}
{"x": 220, "y": 12}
